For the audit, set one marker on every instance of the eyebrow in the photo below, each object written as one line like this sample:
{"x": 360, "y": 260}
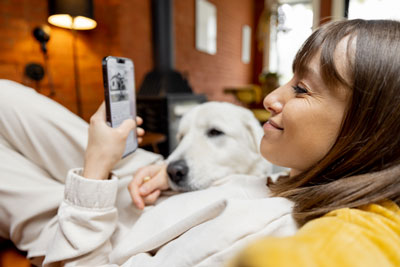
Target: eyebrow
{"x": 305, "y": 70}
{"x": 315, "y": 78}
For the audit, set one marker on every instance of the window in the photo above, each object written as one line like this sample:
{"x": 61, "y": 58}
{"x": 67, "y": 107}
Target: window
{"x": 374, "y": 9}
{"x": 290, "y": 27}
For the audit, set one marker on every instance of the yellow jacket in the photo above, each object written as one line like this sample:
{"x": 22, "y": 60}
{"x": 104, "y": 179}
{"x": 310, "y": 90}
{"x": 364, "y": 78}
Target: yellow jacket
{"x": 369, "y": 236}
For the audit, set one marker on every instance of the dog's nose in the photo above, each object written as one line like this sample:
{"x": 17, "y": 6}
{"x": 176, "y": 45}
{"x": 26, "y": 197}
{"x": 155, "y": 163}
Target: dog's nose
{"x": 177, "y": 170}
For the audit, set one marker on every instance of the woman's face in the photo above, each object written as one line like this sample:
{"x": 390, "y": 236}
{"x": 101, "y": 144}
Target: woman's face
{"x": 305, "y": 119}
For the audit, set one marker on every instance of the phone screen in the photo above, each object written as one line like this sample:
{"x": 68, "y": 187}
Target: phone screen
{"x": 119, "y": 88}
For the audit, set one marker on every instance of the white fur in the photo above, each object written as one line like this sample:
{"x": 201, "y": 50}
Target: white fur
{"x": 212, "y": 159}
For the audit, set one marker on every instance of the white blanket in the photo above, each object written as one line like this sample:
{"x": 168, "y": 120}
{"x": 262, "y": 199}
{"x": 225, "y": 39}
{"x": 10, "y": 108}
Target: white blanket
{"x": 201, "y": 228}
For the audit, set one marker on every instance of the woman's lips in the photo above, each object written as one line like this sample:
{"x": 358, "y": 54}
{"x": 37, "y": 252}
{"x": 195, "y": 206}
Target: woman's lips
{"x": 271, "y": 125}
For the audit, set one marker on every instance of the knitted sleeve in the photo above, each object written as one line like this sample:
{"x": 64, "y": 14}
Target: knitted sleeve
{"x": 368, "y": 236}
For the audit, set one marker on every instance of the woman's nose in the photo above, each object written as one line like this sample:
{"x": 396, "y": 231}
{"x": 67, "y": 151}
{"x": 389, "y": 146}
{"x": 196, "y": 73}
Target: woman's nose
{"x": 273, "y": 102}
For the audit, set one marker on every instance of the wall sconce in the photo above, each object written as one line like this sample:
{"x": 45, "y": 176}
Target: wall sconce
{"x": 36, "y": 71}
{"x": 74, "y": 15}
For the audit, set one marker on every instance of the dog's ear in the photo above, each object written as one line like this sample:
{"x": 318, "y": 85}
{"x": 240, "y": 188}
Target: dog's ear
{"x": 255, "y": 130}
{"x": 261, "y": 166}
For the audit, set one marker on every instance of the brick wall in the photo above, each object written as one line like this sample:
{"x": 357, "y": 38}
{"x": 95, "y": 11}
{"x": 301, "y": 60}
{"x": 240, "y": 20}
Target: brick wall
{"x": 124, "y": 29}
{"x": 210, "y": 74}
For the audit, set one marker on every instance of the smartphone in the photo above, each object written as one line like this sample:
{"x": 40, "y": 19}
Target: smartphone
{"x": 119, "y": 94}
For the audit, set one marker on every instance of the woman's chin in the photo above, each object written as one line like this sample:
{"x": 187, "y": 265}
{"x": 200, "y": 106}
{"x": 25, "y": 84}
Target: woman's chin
{"x": 270, "y": 158}
{"x": 268, "y": 150}
{"x": 273, "y": 156}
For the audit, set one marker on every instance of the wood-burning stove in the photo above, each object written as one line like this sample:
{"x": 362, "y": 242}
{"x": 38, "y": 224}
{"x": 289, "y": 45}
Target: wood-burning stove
{"x": 165, "y": 94}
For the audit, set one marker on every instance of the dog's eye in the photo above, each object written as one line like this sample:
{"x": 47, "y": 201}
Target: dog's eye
{"x": 179, "y": 137}
{"x": 214, "y": 132}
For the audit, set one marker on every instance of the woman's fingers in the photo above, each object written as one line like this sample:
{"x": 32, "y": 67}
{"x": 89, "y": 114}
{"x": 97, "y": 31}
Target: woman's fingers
{"x": 139, "y": 178}
{"x": 145, "y": 184}
{"x": 105, "y": 144}
{"x": 126, "y": 126}
{"x": 158, "y": 181}
{"x": 139, "y": 120}
{"x": 133, "y": 189}
{"x": 101, "y": 112}
{"x": 152, "y": 198}
{"x": 140, "y": 131}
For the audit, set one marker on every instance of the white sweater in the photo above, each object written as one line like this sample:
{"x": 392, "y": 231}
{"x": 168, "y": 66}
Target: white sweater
{"x": 97, "y": 225}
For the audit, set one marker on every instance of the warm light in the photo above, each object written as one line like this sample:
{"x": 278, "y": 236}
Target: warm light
{"x": 76, "y": 23}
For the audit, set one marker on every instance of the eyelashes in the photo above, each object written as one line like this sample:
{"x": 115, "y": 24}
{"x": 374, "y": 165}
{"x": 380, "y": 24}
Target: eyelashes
{"x": 299, "y": 90}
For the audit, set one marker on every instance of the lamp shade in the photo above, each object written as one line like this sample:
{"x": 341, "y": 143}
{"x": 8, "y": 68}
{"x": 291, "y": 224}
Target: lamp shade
{"x": 72, "y": 14}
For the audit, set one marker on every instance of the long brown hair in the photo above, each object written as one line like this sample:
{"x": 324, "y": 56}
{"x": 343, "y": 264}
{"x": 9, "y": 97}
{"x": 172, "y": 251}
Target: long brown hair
{"x": 362, "y": 167}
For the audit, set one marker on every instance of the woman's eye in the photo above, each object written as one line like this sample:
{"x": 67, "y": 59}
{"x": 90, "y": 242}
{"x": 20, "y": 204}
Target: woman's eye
{"x": 214, "y": 132}
{"x": 299, "y": 90}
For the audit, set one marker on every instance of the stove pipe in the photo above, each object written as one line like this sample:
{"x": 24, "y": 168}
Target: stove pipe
{"x": 163, "y": 79}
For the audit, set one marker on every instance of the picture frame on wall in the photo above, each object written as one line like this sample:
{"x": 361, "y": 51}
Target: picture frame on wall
{"x": 206, "y": 27}
{"x": 246, "y": 44}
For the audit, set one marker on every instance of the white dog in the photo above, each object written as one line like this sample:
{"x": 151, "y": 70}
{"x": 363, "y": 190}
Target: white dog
{"x": 216, "y": 139}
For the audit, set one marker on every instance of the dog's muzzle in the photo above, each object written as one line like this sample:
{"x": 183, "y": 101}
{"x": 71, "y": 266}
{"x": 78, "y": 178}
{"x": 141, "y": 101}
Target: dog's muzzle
{"x": 178, "y": 171}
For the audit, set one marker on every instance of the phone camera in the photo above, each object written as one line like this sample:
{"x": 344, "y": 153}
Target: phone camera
{"x": 121, "y": 61}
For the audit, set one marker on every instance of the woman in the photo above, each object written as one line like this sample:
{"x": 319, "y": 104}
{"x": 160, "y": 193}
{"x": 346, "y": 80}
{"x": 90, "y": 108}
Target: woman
{"x": 357, "y": 168}
{"x": 360, "y": 166}
{"x": 334, "y": 124}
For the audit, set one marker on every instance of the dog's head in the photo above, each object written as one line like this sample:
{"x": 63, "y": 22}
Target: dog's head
{"x": 216, "y": 139}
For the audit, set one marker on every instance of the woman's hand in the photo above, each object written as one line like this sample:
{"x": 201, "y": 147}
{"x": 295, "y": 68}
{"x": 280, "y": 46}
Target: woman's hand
{"x": 146, "y": 185}
{"x": 106, "y": 144}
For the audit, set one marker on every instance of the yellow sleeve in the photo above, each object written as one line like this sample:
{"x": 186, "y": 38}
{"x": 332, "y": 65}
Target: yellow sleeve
{"x": 346, "y": 237}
